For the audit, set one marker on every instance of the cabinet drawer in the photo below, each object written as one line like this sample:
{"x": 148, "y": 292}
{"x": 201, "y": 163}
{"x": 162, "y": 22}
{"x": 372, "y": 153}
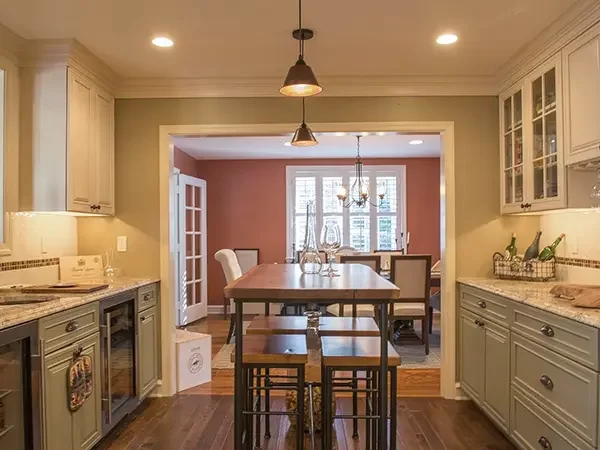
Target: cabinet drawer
{"x": 533, "y": 429}
{"x": 566, "y": 388}
{"x": 147, "y": 296}
{"x": 64, "y": 328}
{"x": 574, "y": 340}
{"x": 488, "y": 306}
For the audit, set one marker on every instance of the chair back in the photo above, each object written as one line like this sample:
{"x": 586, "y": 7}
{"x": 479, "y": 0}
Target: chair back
{"x": 346, "y": 250}
{"x": 229, "y": 263}
{"x": 412, "y": 274}
{"x": 373, "y": 261}
{"x": 386, "y": 257}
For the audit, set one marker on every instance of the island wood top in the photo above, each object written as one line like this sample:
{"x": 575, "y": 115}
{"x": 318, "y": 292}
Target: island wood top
{"x": 287, "y": 282}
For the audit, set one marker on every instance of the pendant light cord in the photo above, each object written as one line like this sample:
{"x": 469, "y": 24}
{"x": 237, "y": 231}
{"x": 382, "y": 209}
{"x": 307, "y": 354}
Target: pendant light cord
{"x": 303, "y": 112}
{"x": 301, "y": 44}
{"x": 358, "y": 147}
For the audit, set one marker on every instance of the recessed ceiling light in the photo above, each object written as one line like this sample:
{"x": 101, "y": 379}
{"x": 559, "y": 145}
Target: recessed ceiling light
{"x": 287, "y": 144}
{"x": 162, "y": 41}
{"x": 381, "y": 133}
{"x": 416, "y": 142}
{"x": 340, "y": 133}
{"x": 447, "y": 39}
{"x": 364, "y": 133}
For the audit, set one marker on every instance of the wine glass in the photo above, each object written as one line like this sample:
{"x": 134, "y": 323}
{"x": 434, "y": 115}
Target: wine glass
{"x": 330, "y": 241}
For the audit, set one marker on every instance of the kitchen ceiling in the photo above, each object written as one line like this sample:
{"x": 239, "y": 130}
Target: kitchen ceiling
{"x": 236, "y": 38}
{"x": 390, "y": 145}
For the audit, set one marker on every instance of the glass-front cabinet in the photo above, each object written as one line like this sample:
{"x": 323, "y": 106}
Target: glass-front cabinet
{"x": 533, "y": 173}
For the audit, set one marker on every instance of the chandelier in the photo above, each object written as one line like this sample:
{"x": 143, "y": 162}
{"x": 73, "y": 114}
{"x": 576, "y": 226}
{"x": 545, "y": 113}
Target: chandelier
{"x": 359, "y": 194}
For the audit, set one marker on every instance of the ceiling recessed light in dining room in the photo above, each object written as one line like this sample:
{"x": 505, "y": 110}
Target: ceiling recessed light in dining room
{"x": 416, "y": 142}
{"x": 162, "y": 42}
{"x": 287, "y": 144}
{"x": 340, "y": 133}
{"x": 447, "y": 39}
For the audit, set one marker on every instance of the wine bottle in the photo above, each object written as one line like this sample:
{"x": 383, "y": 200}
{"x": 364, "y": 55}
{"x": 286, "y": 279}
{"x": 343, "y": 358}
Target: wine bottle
{"x": 549, "y": 251}
{"x": 511, "y": 249}
{"x": 534, "y": 249}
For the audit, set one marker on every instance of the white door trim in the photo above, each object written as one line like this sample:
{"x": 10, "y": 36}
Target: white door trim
{"x": 449, "y": 387}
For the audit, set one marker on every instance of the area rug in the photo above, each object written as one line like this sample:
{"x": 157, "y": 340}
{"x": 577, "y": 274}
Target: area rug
{"x": 222, "y": 360}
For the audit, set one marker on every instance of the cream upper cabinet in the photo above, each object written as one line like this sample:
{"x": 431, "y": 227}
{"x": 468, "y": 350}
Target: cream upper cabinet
{"x": 104, "y": 167}
{"x": 581, "y": 66}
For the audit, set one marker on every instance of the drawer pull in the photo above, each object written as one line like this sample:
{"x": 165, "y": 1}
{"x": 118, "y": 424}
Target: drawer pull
{"x": 147, "y": 297}
{"x": 72, "y": 326}
{"x": 481, "y": 304}
{"x": 547, "y": 330}
{"x": 545, "y": 443}
{"x": 547, "y": 382}
{"x": 479, "y": 323}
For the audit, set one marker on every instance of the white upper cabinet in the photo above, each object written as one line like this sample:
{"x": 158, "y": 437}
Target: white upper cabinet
{"x": 104, "y": 173}
{"x": 581, "y": 65}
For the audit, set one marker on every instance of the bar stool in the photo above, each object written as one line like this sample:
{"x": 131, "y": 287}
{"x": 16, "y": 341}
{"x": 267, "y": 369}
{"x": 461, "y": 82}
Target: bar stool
{"x": 350, "y": 326}
{"x": 358, "y": 353}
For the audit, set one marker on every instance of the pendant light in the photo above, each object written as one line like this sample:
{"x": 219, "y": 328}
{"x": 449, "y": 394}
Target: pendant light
{"x": 300, "y": 80}
{"x": 304, "y": 137}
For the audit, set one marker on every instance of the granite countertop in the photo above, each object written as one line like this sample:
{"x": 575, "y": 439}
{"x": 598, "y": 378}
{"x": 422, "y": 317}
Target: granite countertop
{"x": 536, "y": 295}
{"x": 11, "y": 315}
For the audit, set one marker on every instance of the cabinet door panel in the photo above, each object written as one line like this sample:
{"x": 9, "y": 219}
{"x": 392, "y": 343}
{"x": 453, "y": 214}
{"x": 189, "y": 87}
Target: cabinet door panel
{"x": 105, "y": 152}
{"x": 148, "y": 351}
{"x": 472, "y": 353}
{"x": 80, "y": 147}
{"x": 497, "y": 374}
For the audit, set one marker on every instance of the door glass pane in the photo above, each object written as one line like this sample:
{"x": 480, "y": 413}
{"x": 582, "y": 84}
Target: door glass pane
{"x": 360, "y": 237}
{"x": 197, "y": 219}
{"x": 197, "y": 199}
{"x": 189, "y": 244}
{"x": 551, "y": 144}
{"x": 11, "y": 397}
{"x": 198, "y": 244}
{"x": 518, "y": 146}
{"x": 386, "y": 233}
{"x": 189, "y": 195}
{"x": 189, "y": 269}
{"x": 518, "y": 110}
{"x": 198, "y": 287}
{"x": 508, "y": 151}
{"x": 508, "y": 186}
{"x": 537, "y": 98}
{"x": 551, "y": 177}
{"x": 122, "y": 335}
{"x": 538, "y": 179}
{"x": 331, "y": 186}
{"x": 189, "y": 220}
{"x": 189, "y": 289}
{"x": 198, "y": 267}
{"x": 550, "y": 90}
{"x": 518, "y": 184}
{"x": 507, "y": 114}
{"x": 538, "y": 139}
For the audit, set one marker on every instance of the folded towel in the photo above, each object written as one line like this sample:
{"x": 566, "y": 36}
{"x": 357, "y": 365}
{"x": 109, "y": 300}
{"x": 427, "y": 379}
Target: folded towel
{"x": 569, "y": 291}
{"x": 581, "y": 295}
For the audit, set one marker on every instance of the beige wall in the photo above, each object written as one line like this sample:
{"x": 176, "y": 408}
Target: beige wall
{"x": 480, "y": 229}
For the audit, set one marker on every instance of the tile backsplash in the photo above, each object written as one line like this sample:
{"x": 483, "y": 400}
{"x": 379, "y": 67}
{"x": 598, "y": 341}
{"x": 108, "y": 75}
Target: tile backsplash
{"x": 578, "y": 256}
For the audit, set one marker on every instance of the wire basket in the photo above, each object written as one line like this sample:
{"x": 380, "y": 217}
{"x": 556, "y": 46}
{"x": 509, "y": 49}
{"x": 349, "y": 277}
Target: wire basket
{"x": 517, "y": 269}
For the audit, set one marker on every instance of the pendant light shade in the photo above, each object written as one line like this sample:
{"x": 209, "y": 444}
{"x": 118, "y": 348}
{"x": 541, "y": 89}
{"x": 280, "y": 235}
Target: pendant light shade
{"x": 304, "y": 137}
{"x": 300, "y": 81}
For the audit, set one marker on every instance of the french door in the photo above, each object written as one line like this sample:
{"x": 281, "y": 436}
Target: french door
{"x": 191, "y": 246}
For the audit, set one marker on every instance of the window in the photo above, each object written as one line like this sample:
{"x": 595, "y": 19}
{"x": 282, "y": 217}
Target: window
{"x": 366, "y": 229}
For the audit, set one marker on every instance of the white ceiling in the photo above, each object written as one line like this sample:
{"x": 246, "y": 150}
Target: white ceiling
{"x": 240, "y": 38}
{"x": 389, "y": 145}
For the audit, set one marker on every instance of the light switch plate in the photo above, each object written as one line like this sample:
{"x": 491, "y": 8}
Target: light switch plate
{"x": 122, "y": 243}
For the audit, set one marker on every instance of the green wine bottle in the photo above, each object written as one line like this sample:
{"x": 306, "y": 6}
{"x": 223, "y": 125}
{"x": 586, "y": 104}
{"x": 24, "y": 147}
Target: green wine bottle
{"x": 534, "y": 249}
{"x": 548, "y": 253}
{"x": 511, "y": 249}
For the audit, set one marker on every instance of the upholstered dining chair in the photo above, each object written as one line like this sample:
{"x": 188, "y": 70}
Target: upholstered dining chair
{"x": 374, "y": 262}
{"x": 386, "y": 257}
{"x": 232, "y": 270}
{"x": 412, "y": 274}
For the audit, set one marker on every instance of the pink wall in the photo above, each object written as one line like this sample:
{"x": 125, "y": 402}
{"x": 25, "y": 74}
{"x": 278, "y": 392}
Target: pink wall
{"x": 246, "y": 207}
{"x": 185, "y": 163}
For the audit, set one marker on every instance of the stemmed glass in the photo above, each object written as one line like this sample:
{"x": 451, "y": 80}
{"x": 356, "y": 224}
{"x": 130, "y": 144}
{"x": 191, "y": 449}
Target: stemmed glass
{"x": 331, "y": 241}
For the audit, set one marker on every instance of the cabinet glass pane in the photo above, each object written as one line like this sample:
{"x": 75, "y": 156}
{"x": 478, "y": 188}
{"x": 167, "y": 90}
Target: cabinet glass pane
{"x": 538, "y": 139}
{"x": 551, "y": 177}
{"x": 508, "y": 151}
{"x": 518, "y": 147}
{"x": 537, "y": 99}
{"x": 508, "y": 186}
{"x": 518, "y": 109}
{"x": 550, "y": 90}
{"x": 518, "y": 184}
{"x": 507, "y": 114}
{"x": 550, "y": 125}
{"x": 538, "y": 179}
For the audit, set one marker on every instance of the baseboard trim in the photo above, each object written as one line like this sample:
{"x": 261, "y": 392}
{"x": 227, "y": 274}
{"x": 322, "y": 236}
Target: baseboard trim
{"x": 459, "y": 394}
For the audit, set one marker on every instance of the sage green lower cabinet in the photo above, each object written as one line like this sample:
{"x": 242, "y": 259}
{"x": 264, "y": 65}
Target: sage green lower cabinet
{"x": 63, "y": 429}
{"x": 148, "y": 351}
{"x": 472, "y": 352}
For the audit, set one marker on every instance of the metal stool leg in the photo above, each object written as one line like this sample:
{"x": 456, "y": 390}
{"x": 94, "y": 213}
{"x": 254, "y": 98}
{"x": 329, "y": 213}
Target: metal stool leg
{"x": 267, "y": 405}
{"x": 375, "y": 422}
{"x": 300, "y": 417}
{"x": 329, "y": 426}
{"x": 368, "y": 411}
{"x": 393, "y": 407}
{"x": 354, "y": 405}
{"x": 324, "y": 402}
{"x": 258, "y": 408}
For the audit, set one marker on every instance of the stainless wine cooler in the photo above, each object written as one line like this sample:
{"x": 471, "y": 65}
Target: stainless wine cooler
{"x": 20, "y": 388}
{"x": 118, "y": 331}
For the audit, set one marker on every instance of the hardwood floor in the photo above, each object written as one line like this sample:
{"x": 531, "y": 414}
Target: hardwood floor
{"x": 202, "y": 418}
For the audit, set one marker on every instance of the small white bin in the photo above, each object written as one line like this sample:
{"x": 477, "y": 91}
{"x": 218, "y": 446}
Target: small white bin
{"x": 193, "y": 359}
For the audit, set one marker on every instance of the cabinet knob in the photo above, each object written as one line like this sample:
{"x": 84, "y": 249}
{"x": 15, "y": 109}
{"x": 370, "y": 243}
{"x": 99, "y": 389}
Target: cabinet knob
{"x": 482, "y": 304}
{"x": 72, "y": 326}
{"x": 547, "y": 382}
{"x": 545, "y": 443}
{"x": 547, "y": 330}
{"x": 147, "y": 297}
{"x": 479, "y": 323}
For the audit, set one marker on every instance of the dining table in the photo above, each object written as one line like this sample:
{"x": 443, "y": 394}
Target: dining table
{"x": 286, "y": 283}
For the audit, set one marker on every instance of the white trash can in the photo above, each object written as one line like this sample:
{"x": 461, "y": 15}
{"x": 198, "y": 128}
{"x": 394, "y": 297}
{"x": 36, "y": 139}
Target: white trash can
{"x": 193, "y": 359}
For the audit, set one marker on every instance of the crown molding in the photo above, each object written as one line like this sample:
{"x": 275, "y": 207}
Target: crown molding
{"x": 578, "y": 19}
{"x": 11, "y": 44}
{"x": 386, "y": 86}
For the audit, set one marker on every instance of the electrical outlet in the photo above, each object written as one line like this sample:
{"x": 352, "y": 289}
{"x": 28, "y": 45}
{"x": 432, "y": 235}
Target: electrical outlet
{"x": 122, "y": 243}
